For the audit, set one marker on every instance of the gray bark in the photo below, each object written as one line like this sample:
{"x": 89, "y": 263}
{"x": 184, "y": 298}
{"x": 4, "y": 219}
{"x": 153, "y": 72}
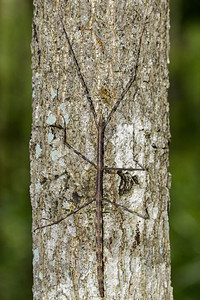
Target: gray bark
{"x": 136, "y": 251}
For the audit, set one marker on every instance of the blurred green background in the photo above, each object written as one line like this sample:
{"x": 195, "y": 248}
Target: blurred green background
{"x": 15, "y": 126}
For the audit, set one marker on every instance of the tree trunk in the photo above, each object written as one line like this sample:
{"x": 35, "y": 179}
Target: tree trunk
{"x": 112, "y": 41}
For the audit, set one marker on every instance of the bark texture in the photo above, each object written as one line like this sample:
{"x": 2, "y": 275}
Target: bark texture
{"x": 105, "y": 37}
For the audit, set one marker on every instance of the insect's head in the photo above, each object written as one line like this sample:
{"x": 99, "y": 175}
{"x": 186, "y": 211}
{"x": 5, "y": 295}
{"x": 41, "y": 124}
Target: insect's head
{"x": 101, "y": 121}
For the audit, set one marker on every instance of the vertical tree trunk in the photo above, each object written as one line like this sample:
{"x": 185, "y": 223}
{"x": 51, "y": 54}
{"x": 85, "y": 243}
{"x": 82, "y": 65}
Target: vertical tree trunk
{"x": 106, "y": 37}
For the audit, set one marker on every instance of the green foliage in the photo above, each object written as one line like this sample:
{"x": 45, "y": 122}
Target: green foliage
{"x": 184, "y": 99}
{"x": 15, "y": 116}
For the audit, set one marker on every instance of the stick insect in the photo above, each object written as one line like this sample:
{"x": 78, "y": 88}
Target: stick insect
{"x": 101, "y": 125}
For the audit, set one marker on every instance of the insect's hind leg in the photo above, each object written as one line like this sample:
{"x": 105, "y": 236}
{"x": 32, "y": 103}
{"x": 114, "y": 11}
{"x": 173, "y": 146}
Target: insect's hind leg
{"x": 65, "y": 217}
{"x": 145, "y": 217}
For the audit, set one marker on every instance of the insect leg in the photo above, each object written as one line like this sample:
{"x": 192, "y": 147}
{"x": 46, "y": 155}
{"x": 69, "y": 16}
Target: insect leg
{"x": 145, "y": 217}
{"x": 83, "y": 83}
{"x": 128, "y": 85}
{"x": 72, "y": 148}
{"x": 122, "y": 169}
{"x": 80, "y": 154}
{"x": 65, "y": 217}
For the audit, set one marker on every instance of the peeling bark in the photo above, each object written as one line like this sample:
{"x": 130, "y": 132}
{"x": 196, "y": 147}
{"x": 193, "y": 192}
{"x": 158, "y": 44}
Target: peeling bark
{"x": 104, "y": 36}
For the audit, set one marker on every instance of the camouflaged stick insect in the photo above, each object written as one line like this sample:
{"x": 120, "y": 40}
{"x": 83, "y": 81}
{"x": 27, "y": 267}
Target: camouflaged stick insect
{"x": 101, "y": 124}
